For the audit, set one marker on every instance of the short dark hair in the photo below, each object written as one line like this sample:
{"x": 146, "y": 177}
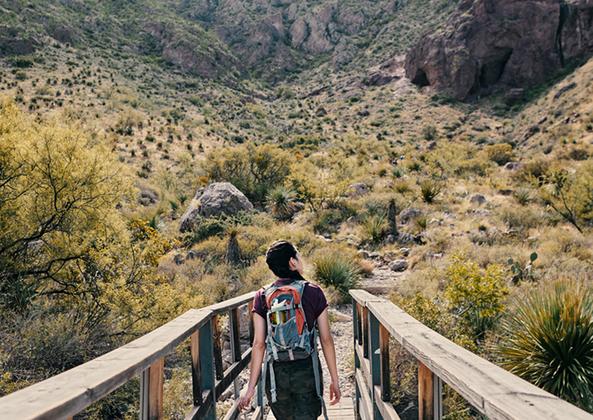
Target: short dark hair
{"x": 278, "y": 257}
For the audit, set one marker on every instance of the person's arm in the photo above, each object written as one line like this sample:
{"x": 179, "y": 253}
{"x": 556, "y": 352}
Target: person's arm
{"x": 257, "y": 357}
{"x": 329, "y": 351}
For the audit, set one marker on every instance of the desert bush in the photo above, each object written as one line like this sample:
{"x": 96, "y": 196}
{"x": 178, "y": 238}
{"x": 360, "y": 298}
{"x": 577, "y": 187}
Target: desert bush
{"x": 374, "y": 227}
{"x": 500, "y": 153}
{"x": 335, "y": 268}
{"x": 476, "y": 296}
{"x": 429, "y": 132}
{"x": 547, "y": 339}
{"x": 571, "y": 195}
{"x": 520, "y": 218}
{"x": 58, "y": 193}
{"x": 430, "y": 189}
{"x": 255, "y": 170}
{"x": 327, "y": 221}
{"x": 534, "y": 171}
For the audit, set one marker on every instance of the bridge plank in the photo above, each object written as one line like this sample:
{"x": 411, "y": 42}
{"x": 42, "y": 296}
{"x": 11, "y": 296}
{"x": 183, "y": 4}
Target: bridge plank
{"x": 72, "y": 391}
{"x": 492, "y": 390}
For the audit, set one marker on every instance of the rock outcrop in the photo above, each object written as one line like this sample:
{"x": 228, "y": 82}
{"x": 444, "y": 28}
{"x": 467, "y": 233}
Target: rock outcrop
{"x": 490, "y": 45}
{"x": 216, "y": 199}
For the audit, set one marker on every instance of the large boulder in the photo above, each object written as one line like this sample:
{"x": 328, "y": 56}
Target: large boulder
{"x": 216, "y": 199}
{"x": 489, "y": 45}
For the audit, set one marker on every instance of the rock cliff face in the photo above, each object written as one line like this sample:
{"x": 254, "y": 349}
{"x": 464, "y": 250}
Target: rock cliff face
{"x": 282, "y": 34}
{"x": 491, "y": 45}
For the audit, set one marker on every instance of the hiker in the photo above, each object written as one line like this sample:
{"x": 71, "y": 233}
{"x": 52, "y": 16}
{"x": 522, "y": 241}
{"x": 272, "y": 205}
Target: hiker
{"x": 285, "y": 329}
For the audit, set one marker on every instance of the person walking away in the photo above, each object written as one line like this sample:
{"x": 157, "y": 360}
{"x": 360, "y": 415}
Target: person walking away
{"x": 288, "y": 316}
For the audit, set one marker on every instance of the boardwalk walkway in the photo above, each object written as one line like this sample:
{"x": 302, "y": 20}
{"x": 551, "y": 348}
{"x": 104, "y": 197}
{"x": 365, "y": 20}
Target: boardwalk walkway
{"x": 342, "y": 411}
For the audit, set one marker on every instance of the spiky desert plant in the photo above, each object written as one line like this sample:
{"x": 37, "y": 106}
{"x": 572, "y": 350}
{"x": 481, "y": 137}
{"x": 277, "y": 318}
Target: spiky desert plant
{"x": 548, "y": 340}
{"x": 430, "y": 189}
{"x": 374, "y": 227}
{"x": 334, "y": 268}
{"x": 282, "y": 203}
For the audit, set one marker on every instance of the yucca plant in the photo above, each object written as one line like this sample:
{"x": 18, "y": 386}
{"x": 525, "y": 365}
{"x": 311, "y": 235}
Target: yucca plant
{"x": 374, "y": 227}
{"x": 548, "y": 340}
{"x": 430, "y": 189}
{"x": 333, "y": 268}
{"x": 282, "y": 203}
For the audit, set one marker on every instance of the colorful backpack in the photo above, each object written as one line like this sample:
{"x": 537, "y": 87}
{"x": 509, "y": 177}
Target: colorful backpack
{"x": 289, "y": 337}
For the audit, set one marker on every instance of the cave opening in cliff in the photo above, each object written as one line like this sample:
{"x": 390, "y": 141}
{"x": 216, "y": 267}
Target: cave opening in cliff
{"x": 491, "y": 71}
{"x": 421, "y": 79}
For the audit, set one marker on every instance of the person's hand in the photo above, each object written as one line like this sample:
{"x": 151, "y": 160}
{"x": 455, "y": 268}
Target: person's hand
{"x": 334, "y": 393}
{"x": 245, "y": 399}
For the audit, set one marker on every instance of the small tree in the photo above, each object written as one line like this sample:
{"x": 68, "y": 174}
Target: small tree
{"x": 571, "y": 196}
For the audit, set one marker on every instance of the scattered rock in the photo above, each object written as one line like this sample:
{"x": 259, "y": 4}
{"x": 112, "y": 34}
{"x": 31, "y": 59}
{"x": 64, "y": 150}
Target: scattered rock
{"x": 148, "y": 197}
{"x": 321, "y": 112}
{"x": 398, "y": 265}
{"x": 404, "y": 251}
{"x": 191, "y": 255}
{"x": 379, "y": 78}
{"x": 408, "y": 214}
{"x": 178, "y": 259}
{"x": 564, "y": 89}
{"x": 363, "y": 253}
{"x": 478, "y": 199}
{"x": 363, "y": 113}
{"x": 216, "y": 199}
{"x": 513, "y": 166}
{"x": 358, "y": 189}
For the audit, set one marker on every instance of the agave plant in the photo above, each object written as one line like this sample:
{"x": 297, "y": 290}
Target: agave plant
{"x": 282, "y": 203}
{"x": 548, "y": 340}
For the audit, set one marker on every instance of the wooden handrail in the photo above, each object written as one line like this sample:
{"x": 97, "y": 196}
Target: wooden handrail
{"x": 70, "y": 392}
{"x": 493, "y": 391}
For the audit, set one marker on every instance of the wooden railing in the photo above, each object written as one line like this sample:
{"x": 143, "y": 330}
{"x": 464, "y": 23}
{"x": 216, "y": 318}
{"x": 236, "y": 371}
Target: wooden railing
{"x": 70, "y": 392}
{"x": 491, "y": 390}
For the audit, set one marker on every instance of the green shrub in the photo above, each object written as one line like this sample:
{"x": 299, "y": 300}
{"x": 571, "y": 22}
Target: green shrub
{"x": 548, "y": 340}
{"x": 500, "y": 153}
{"x": 476, "y": 296}
{"x": 429, "y": 132}
{"x": 430, "y": 189}
{"x": 254, "y": 170}
{"x": 374, "y": 227}
{"x": 336, "y": 269}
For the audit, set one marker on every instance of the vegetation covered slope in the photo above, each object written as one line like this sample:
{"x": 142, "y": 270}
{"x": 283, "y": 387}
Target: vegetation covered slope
{"x": 150, "y": 101}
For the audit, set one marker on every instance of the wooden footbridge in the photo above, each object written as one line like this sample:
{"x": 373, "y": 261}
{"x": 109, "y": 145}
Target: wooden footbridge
{"x": 492, "y": 392}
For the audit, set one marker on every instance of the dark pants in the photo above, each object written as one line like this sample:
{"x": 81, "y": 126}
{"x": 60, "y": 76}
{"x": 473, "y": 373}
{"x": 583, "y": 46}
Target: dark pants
{"x": 296, "y": 397}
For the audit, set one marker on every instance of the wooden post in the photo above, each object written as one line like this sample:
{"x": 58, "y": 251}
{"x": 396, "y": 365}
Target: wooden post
{"x": 207, "y": 374}
{"x": 385, "y": 372}
{"x": 216, "y": 335}
{"x": 365, "y": 331}
{"x": 195, "y": 369}
{"x": 430, "y": 406}
{"x": 356, "y": 341}
{"x": 151, "y": 391}
{"x": 375, "y": 362}
{"x": 235, "y": 344}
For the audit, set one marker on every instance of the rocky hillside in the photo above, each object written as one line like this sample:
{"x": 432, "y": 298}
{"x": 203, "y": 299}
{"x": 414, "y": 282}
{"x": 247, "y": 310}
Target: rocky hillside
{"x": 490, "y": 45}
